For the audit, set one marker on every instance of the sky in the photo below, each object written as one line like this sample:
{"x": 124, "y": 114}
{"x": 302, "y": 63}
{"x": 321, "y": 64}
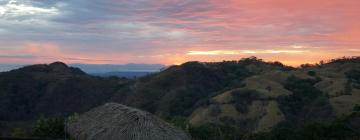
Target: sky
{"x": 175, "y": 31}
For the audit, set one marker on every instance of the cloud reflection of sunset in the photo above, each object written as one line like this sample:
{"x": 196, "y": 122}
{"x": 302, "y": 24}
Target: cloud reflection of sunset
{"x": 176, "y": 31}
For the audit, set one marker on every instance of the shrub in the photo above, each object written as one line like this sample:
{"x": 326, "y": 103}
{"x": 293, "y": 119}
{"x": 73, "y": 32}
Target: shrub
{"x": 19, "y": 133}
{"x": 244, "y": 98}
{"x": 211, "y": 131}
{"x": 180, "y": 122}
{"x": 310, "y": 131}
{"x": 49, "y": 128}
{"x": 353, "y": 75}
{"x": 311, "y": 73}
{"x": 356, "y": 108}
{"x": 305, "y": 98}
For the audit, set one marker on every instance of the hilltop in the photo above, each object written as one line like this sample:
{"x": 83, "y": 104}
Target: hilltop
{"x": 55, "y": 89}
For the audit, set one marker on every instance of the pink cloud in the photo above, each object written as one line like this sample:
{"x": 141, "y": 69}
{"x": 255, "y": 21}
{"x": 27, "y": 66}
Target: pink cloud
{"x": 165, "y": 31}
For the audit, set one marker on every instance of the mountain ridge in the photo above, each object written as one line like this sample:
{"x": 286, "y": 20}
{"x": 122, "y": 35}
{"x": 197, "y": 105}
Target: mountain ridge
{"x": 250, "y": 94}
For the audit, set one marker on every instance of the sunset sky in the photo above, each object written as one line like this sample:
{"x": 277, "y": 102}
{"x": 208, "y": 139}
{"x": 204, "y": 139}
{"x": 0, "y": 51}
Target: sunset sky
{"x": 176, "y": 31}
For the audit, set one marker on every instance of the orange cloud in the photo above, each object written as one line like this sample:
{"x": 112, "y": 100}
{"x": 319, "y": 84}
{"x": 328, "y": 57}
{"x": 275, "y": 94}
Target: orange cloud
{"x": 176, "y": 31}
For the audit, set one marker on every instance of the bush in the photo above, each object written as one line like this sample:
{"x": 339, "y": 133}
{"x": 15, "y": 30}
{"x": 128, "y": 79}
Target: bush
{"x": 49, "y": 128}
{"x": 356, "y": 108}
{"x": 311, "y": 73}
{"x": 306, "y": 102}
{"x": 354, "y": 75}
{"x": 180, "y": 122}
{"x": 207, "y": 131}
{"x": 343, "y": 60}
{"x": 286, "y": 130}
{"x": 310, "y": 131}
{"x": 19, "y": 133}
{"x": 243, "y": 99}
{"x": 215, "y": 132}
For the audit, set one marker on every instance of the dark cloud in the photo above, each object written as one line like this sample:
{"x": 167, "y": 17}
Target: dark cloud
{"x": 18, "y": 56}
{"x": 151, "y": 29}
{"x": 52, "y": 58}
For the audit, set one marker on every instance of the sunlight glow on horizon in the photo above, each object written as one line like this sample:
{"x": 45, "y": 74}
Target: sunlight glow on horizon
{"x": 237, "y": 52}
{"x": 176, "y": 31}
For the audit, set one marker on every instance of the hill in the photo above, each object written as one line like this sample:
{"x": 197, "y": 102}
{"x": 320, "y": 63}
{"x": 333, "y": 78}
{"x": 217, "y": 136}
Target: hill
{"x": 318, "y": 93}
{"x": 179, "y": 89}
{"x": 55, "y": 89}
{"x": 249, "y": 95}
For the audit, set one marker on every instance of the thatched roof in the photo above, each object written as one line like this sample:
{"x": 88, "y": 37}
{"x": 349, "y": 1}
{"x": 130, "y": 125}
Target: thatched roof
{"x": 118, "y": 122}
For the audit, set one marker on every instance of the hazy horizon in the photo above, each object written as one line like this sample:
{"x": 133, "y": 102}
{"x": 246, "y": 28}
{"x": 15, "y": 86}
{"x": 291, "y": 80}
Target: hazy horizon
{"x": 98, "y": 68}
{"x": 136, "y": 67}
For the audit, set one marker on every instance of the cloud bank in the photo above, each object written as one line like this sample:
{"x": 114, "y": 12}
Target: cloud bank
{"x": 175, "y": 31}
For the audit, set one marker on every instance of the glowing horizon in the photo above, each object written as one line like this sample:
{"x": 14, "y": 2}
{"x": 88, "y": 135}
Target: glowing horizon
{"x": 176, "y": 31}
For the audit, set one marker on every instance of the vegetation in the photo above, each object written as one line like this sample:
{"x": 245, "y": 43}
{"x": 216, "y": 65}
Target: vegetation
{"x": 215, "y": 132}
{"x": 53, "y": 128}
{"x": 19, "y": 133}
{"x": 354, "y": 78}
{"x": 243, "y": 99}
{"x": 356, "y": 108}
{"x": 49, "y": 128}
{"x": 55, "y": 89}
{"x": 208, "y": 131}
{"x": 179, "y": 121}
{"x": 305, "y": 98}
{"x": 189, "y": 85}
{"x": 32, "y": 91}
{"x": 343, "y": 60}
{"x": 311, "y": 73}
{"x": 339, "y": 129}
{"x": 336, "y": 130}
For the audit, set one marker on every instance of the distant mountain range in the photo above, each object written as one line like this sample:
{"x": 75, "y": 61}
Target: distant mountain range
{"x": 105, "y": 70}
{"x": 8, "y": 67}
{"x": 126, "y": 74}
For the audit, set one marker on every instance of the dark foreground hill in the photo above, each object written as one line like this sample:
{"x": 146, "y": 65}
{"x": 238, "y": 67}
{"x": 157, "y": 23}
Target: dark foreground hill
{"x": 55, "y": 89}
{"x": 249, "y": 95}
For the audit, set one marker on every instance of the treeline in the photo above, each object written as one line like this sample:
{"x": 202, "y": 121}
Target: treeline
{"x": 342, "y": 60}
{"x": 345, "y": 128}
{"x": 43, "y": 128}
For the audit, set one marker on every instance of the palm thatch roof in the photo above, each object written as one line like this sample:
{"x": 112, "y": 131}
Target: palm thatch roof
{"x": 118, "y": 122}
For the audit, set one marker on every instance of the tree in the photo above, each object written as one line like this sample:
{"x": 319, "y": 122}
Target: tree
{"x": 211, "y": 131}
{"x": 311, "y": 73}
{"x": 356, "y": 108}
{"x": 19, "y": 133}
{"x": 353, "y": 75}
{"x": 49, "y": 128}
{"x": 180, "y": 122}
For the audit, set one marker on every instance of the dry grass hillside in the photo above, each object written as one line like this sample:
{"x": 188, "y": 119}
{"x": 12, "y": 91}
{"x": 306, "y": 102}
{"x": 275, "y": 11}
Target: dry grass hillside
{"x": 263, "y": 100}
{"x": 253, "y": 107}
